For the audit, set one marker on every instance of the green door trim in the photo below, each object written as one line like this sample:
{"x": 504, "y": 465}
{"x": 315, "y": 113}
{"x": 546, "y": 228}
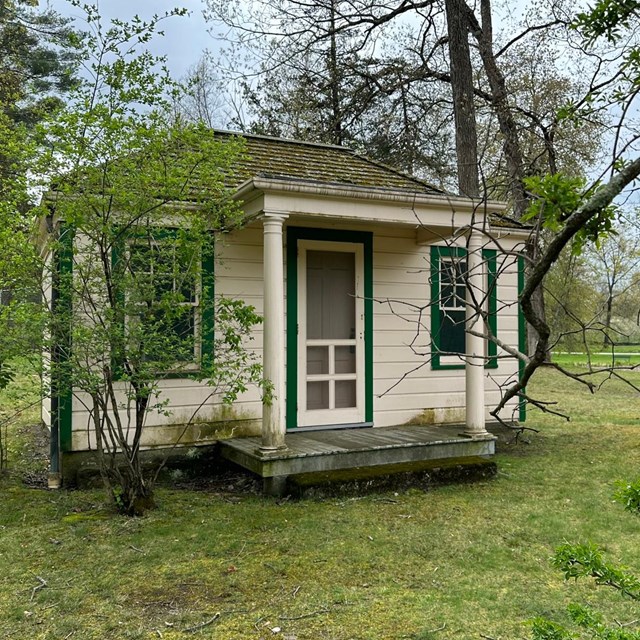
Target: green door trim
{"x": 365, "y": 238}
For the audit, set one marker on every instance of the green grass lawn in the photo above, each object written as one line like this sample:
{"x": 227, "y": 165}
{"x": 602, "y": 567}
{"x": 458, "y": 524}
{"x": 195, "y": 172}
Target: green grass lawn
{"x": 467, "y": 561}
{"x": 621, "y": 358}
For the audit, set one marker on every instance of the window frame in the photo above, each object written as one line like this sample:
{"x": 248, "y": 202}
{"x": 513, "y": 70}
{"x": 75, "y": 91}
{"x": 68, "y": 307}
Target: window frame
{"x": 455, "y": 294}
{"x": 448, "y": 361}
{"x": 204, "y": 306}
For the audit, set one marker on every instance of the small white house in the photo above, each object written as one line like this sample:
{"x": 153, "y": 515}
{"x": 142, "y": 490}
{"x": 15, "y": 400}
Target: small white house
{"x": 359, "y": 273}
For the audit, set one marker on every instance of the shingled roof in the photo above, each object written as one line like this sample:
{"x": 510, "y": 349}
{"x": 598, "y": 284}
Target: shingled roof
{"x": 280, "y": 158}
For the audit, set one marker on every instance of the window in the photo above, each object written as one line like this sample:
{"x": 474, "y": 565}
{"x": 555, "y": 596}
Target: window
{"x": 451, "y": 304}
{"x": 167, "y": 292}
{"x": 448, "y": 294}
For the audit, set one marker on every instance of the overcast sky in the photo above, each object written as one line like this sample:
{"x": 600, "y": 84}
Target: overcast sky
{"x": 185, "y": 37}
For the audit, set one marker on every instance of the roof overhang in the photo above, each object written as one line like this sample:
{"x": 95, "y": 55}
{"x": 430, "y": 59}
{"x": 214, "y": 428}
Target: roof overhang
{"x": 435, "y": 216}
{"x": 253, "y": 187}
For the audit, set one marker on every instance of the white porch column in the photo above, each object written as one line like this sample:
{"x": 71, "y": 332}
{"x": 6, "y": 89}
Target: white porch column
{"x": 474, "y": 345}
{"x": 273, "y": 412}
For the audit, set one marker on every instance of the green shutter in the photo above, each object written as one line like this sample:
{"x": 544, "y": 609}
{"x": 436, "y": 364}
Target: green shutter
{"x": 207, "y": 303}
{"x": 491, "y": 260}
{"x": 448, "y": 328}
{"x": 63, "y": 268}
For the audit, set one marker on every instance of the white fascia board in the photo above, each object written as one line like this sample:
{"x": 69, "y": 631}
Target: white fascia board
{"x": 363, "y": 204}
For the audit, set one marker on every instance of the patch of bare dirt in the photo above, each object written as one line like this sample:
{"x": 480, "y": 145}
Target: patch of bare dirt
{"x": 34, "y": 456}
{"x": 224, "y": 481}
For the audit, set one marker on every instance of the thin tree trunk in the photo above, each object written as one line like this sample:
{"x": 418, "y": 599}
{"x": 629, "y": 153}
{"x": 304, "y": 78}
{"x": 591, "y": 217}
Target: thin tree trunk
{"x": 512, "y": 151}
{"x": 334, "y": 79}
{"x": 607, "y": 322}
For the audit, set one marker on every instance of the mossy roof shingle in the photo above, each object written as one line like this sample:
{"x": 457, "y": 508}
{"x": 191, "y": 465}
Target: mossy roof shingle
{"x": 292, "y": 160}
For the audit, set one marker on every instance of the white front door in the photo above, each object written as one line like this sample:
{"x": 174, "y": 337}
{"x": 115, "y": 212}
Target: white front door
{"x": 331, "y": 361}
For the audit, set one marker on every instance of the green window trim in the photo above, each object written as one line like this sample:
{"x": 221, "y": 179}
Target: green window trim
{"x": 365, "y": 238}
{"x": 522, "y": 337}
{"x": 62, "y": 284}
{"x": 205, "y": 308}
{"x": 491, "y": 261}
{"x": 62, "y": 267}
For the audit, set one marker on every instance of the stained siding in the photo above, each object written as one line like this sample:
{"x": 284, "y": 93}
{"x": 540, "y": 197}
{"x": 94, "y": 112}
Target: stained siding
{"x": 238, "y": 275}
{"x": 406, "y": 388}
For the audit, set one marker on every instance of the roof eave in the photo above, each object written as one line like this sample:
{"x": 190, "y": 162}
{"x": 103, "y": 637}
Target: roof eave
{"x": 345, "y": 191}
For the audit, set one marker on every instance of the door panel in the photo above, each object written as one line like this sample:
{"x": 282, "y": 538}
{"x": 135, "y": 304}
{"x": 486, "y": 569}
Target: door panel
{"x": 330, "y": 295}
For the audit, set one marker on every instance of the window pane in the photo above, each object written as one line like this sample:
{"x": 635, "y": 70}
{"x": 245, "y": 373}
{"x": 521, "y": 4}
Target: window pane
{"x": 452, "y": 283}
{"x": 182, "y": 333}
{"x": 331, "y": 303}
{"x": 346, "y": 359}
{"x": 345, "y": 394}
{"x": 187, "y": 289}
{"x": 317, "y": 360}
{"x": 317, "y": 395}
{"x": 452, "y": 335}
{"x": 186, "y": 272}
{"x": 447, "y": 299}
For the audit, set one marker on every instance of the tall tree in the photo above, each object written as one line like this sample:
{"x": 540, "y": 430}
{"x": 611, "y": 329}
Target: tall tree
{"x": 615, "y": 264}
{"x": 202, "y": 96}
{"x": 464, "y": 111}
{"x": 37, "y": 69}
{"x": 325, "y": 83}
{"x": 38, "y": 53}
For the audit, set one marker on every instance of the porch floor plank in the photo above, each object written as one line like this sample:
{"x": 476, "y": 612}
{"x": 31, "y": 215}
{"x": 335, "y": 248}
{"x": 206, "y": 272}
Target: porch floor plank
{"x": 326, "y": 450}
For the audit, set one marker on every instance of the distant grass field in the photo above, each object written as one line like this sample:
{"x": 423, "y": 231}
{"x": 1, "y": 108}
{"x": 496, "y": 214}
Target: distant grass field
{"x": 627, "y": 356}
{"x": 466, "y": 561}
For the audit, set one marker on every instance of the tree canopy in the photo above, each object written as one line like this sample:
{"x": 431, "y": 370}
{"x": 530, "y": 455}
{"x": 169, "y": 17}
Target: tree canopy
{"x": 39, "y": 60}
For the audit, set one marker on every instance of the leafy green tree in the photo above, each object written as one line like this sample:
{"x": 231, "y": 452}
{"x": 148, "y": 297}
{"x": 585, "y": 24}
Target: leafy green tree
{"x": 38, "y": 53}
{"x": 37, "y": 48}
{"x": 137, "y": 200}
{"x": 19, "y": 273}
{"x": 20, "y": 312}
{"x": 39, "y": 61}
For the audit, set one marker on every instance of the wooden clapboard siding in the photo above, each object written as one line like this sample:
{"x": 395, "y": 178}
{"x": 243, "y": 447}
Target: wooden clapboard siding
{"x": 400, "y": 286}
{"x": 400, "y": 274}
{"x": 238, "y": 276}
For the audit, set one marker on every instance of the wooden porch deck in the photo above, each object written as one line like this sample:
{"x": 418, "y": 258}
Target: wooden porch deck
{"x": 335, "y": 449}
